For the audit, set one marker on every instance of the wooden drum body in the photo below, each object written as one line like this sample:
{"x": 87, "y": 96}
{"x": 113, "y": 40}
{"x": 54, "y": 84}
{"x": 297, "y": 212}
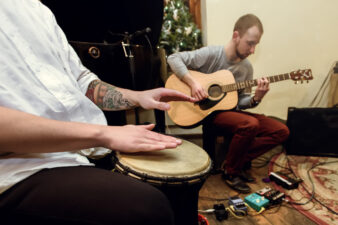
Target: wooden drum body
{"x": 179, "y": 173}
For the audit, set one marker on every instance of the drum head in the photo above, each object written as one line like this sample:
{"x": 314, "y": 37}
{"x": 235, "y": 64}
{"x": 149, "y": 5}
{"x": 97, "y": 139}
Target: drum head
{"x": 186, "y": 160}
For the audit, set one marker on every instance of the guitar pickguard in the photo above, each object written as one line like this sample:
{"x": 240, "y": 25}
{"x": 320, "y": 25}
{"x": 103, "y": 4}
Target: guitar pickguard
{"x": 208, "y": 103}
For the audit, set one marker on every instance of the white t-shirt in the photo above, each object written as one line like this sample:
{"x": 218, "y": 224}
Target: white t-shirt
{"x": 41, "y": 74}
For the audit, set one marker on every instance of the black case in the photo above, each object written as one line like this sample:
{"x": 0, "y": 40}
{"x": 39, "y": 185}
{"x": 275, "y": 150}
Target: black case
{"x": 313, "y": 131}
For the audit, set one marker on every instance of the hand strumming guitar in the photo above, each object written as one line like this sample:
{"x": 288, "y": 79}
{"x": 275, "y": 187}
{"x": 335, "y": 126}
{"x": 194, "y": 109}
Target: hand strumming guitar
{"x": 197, "y": 91}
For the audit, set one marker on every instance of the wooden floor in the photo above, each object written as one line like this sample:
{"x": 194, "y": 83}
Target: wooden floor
{"x": 215, "y": 191}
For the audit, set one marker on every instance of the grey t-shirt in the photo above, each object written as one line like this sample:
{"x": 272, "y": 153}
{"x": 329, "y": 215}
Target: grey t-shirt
{"x": 211, "y": 59}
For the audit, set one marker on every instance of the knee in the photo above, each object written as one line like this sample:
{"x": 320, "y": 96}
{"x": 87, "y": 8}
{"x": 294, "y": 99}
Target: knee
{"x": 248, "y": 127}
{"x": 283, "y": 133}
{"x": 280, "y": 133}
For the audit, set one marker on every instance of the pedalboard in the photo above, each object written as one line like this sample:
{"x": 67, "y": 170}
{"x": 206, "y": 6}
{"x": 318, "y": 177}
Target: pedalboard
{"x": 257, "y": 202}
{"x": 284, "y": 181}
{"x": 263, "y": 191}
{"x": 274, "y": 196}
{"x": 238, "y": 205}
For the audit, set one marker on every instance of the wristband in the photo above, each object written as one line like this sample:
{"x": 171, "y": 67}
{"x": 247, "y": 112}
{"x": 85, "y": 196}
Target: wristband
{"x": 254, "y": 102}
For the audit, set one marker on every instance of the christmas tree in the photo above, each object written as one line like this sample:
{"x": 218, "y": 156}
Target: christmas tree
{"x": 179, "y": 32}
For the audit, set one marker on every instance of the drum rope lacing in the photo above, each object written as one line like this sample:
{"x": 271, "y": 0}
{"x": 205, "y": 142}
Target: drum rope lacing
{"x": 146, "y": 177}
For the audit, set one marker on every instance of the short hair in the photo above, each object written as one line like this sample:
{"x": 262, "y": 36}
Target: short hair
{"x": 247, "y": 21}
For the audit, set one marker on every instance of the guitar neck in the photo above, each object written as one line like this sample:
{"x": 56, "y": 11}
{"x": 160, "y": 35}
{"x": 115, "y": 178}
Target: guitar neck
{"x": 251, "y": 83}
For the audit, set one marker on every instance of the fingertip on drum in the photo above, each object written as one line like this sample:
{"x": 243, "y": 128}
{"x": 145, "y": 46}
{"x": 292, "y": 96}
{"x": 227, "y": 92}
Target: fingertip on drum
{"x": 178, "y": 141}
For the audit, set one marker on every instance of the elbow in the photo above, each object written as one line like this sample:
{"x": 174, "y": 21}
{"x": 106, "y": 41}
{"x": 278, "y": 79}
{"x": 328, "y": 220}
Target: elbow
{"x": 170, "y": 59}
{"x": 173, "y": 58}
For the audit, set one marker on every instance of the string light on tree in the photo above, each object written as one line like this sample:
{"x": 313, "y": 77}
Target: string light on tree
{"x": 179, "y": 32}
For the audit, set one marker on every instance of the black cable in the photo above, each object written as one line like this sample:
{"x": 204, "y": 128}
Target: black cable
{"x": 266, "y": 160}
{"x": 213, "y": 199}
{"x": 308, "y": 173}
{"x": 289, "y": 206}
{"x": 152, "y": 54}
{"x": 295, "y": 199}
{"x": 149, "y": 43}
{"x": 313, "y": 186}
{"x": 272, "y": 207}
{"x": 283, "y": 167}
{"x": 115, "y": 34}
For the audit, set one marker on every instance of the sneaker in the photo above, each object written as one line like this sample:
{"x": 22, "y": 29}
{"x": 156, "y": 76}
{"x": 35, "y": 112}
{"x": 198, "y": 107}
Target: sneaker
{"x": 246, "y": 176}
{"x": 236, "y": 183}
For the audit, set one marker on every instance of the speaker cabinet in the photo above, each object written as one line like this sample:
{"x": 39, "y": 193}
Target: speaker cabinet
{"x": 313, "y": 131}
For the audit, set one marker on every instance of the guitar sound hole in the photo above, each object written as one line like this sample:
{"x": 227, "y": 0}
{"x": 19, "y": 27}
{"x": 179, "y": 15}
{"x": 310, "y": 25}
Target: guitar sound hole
{"x": 215, "y": 91}
{"x": 215, "y": 96}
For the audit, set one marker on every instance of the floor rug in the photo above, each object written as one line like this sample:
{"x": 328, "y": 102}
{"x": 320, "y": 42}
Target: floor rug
{"x": 323, "y": 171}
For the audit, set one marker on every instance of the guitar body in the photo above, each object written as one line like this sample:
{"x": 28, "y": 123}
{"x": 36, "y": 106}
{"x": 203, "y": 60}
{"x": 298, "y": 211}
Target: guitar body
{"x": 189, "y": 114}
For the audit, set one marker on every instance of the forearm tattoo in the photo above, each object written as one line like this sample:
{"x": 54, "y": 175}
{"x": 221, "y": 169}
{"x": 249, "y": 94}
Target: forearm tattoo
{"x": 90, "y": 90}
{"x": 106, "y": 96}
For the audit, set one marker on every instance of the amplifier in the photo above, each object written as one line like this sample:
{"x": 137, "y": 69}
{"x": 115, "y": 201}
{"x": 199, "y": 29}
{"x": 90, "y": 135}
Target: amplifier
{"x": 313, "y": 131}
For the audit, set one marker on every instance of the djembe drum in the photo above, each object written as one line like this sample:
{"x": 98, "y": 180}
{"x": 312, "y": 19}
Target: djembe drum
{"x": 179, "y": 173}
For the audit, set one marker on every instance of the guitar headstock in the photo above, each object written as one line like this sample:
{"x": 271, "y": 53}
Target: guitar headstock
{"x": 301, "y": 75}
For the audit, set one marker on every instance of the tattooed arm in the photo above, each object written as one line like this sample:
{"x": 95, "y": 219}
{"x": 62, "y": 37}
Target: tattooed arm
{"x": 46, "y": 135}
{"x": 109, "y": 97}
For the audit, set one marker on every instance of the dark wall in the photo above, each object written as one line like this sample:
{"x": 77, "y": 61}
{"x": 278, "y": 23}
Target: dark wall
{"x": 89, "y": 20}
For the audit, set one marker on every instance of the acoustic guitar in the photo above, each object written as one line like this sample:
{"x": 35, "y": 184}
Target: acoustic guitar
{"x": 222, "y": 90}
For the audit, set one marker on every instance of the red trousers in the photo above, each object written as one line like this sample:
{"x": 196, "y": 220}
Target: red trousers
{"x": 253, "y": 135}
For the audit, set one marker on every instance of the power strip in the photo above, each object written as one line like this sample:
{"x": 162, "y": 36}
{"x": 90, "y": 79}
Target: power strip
{"x": 284, "y": 181}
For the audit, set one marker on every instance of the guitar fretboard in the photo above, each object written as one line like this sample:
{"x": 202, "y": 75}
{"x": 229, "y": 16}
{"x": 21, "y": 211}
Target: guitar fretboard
{"x": 251, "y": 83}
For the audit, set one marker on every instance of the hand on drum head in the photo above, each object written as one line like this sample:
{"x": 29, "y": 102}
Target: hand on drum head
{"x": 137, "y": 138}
